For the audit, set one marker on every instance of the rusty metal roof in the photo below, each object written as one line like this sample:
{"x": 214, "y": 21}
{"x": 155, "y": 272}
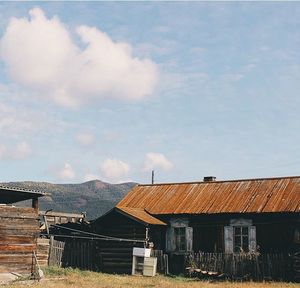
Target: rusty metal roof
{"x": 141, "y": 215}
{"x": 233, "y": 196}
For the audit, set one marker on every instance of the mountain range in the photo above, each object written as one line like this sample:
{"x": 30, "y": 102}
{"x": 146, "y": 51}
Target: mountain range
{"x": 93, "y": 197}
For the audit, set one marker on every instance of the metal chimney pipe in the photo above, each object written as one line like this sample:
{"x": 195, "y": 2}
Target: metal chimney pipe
{"x": 209, "y": 178}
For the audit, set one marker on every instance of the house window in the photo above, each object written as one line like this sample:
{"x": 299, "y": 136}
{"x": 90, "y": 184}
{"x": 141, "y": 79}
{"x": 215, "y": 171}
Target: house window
{"x": 241, "y": 238}
{"x": 179, "y": 236}
{"x": 180, "y": 239}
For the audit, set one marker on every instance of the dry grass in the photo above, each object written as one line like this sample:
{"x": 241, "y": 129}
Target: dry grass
{"x": 75, "y": 278}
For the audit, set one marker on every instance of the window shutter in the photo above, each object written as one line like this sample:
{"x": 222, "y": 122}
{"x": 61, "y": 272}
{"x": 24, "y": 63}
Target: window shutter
{"x": 228, "y": 239}
{"x": 170, "y": 239}
{"x": 189, "y": 238}
{"x": 252, "y": 239}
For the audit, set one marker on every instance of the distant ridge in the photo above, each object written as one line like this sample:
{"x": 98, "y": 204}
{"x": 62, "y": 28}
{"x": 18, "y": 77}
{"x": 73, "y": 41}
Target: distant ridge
{"x": 94, "y": 197}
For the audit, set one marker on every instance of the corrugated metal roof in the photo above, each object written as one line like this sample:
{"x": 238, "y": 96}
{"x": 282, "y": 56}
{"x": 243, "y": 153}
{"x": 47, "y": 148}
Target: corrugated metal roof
{"x": 142, "y": 215}
{"x": 233, "y": 196}
{"x": 9, "y": 194}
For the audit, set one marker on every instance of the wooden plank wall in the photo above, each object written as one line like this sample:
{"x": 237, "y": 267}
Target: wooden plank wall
{"x": 43, "y": 246}
{"x": 79, "y": 254}
{"x": 116, "y": 256}
{"x": 19, "y": 229}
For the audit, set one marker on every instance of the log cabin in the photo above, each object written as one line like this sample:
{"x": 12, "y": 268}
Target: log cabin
{"x": 258, "y": 217}
{"x": 19, "y": 230}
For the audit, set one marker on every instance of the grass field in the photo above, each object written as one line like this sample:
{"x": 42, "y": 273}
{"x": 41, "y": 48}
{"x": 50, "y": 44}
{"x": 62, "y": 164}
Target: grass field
{"x": 63, "y": 278}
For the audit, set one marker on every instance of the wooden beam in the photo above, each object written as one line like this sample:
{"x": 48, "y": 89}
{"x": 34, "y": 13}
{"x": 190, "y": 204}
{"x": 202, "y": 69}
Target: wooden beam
{"x": 35, "y": 203}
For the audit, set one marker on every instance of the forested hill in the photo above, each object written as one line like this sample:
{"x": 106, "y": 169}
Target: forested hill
{"x": 94, "y": 197}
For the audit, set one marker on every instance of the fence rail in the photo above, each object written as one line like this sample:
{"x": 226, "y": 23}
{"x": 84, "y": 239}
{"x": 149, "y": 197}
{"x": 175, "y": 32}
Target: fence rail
{"x": 241, "y": 266}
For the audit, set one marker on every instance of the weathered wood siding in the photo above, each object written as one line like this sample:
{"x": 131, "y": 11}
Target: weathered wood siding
{"x": 43, "y": 245}
{"x": 116, "y": 256}
{"x": 19, "y": 228}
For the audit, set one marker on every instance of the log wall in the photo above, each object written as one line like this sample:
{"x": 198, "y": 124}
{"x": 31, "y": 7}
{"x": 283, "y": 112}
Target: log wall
{"x": 116, "y": 256}
{"x": 19, "y": 229}
{"x": 43, "y": 251}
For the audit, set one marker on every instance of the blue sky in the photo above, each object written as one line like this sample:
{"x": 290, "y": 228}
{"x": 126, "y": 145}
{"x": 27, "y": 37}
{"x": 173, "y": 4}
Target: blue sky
{"x": 112, "y": 90}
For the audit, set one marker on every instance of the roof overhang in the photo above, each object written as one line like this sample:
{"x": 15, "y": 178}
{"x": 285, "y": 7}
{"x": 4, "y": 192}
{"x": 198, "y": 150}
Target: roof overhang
{"x": 9, "y": 195}
{"x": 140, "y": 215}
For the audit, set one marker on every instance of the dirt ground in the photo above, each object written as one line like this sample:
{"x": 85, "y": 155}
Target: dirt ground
{"x": 75, "y": 278}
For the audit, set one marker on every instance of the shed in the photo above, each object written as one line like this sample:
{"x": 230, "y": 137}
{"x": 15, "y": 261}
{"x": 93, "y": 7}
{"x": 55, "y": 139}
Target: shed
{"x": 19, "y": 230}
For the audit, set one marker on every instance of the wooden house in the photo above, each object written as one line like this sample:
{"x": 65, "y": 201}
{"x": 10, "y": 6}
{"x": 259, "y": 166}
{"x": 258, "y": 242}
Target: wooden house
{"x": 249, "y": 217}
{"x": 19, "y": 230}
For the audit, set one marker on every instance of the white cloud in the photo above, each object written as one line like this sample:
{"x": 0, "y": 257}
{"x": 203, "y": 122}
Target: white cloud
{"x": 22, "y": 151}
{"x": 114, "y": 170}
{"x": 85, "y": 138}
{"x": 66, "y": 173}
{"x": 40, "y": 54}
{"x": 157, "y": 160}
{"x": 90, "y": 177}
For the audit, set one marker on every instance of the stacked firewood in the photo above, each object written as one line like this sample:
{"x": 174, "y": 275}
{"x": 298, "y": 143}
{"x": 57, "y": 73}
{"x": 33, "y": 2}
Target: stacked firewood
{"x": 204, "y": 274}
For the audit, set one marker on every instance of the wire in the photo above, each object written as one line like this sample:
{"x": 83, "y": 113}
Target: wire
{"x": 99, "y": 235}
{"x": 91, "y": 238}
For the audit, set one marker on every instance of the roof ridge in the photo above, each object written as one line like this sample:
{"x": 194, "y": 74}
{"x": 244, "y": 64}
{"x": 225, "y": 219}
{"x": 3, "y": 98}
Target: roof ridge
{"x": 221, "y": 181}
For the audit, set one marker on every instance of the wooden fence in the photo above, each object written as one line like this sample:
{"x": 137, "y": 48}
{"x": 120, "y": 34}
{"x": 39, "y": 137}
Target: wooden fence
{"x": 241, "y": 266}
{"x": 87, "y": 255}
{"x": 56, "y": 251}
{"x": 80, "y": 254}
{"x": 162, "y": 261}
{"x": 76, "y": 254}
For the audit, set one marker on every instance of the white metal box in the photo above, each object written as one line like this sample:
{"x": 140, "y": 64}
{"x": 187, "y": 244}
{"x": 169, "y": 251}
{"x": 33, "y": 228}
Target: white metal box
{"x": 141, "y": 252}
{"x": 150, "y": 266}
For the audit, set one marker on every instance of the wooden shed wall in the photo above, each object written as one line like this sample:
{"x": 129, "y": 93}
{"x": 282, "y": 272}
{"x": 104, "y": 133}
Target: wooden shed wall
{"x": 19, "y": 228}
{"x": 116, "y": 256}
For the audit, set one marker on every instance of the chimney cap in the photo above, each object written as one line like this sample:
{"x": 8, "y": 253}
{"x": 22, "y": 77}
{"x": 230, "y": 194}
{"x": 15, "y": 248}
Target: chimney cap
{"x": 209, "y": 178}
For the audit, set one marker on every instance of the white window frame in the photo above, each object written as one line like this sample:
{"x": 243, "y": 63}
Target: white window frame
{"x": 229, "y": 236}
{"x": 171, "y": 241}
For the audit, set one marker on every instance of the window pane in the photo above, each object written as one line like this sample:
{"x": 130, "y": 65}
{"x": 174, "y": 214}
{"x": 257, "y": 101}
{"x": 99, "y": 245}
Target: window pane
{"x": 241, "y": 239}
{"x": 237, "y": 230}
{"x": 245, "y": 230}
{"x": 180, "y": 241}
{"x": 245, "y": 243}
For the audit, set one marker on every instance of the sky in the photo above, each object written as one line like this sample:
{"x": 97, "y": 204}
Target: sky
{"x": 113, "y": 90}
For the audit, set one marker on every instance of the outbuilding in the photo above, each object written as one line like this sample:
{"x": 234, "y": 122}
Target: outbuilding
{"x": 19, "y": 230}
